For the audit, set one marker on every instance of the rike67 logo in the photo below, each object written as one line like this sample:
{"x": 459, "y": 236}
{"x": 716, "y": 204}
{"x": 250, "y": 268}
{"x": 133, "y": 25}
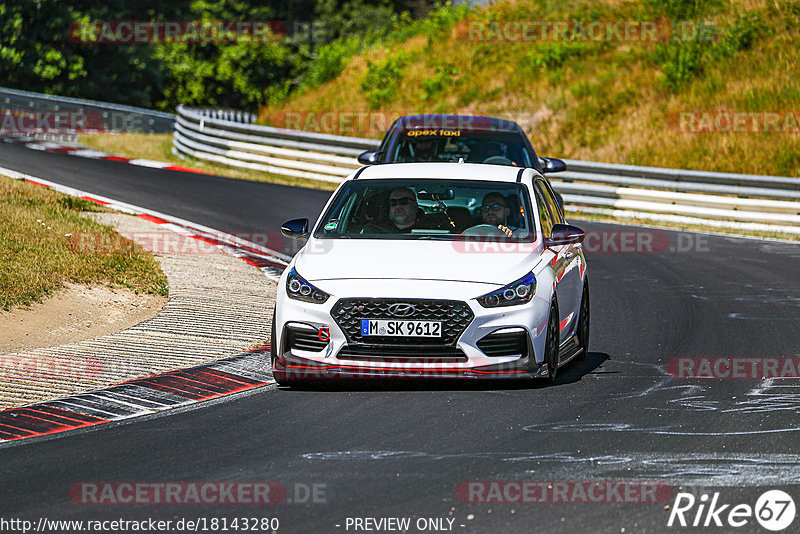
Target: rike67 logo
{"x": 774, "y": 510}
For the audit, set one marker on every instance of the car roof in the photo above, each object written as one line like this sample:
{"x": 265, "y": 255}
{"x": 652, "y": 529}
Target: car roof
{"x": 441, "y": 171}
{"x": 464, "y": 122}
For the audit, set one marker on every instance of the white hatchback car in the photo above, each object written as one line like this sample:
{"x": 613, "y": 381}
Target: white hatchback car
{"x": 443, "y": 270}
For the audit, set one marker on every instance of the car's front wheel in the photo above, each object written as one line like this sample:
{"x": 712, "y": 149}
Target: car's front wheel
{"x": 551, "y": 343}
{"x": 273, "y": 356}
{"x": 273, "y": 350}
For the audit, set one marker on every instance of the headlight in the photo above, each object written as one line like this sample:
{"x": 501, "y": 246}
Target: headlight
{"x": 298, "y": 288}
{"x": 515, "y": 293}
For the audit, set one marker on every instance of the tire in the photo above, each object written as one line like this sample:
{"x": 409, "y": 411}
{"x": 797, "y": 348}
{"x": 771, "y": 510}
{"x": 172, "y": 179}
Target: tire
{"x": 273, "y": 350}
{"x": 273, "y": 356}
{"x": 552, "y": 342}
{"x": 583, "y": 324}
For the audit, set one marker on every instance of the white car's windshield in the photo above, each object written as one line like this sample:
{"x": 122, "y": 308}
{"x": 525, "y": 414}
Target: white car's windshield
{"x": 498, "y": 148}
{"x": 429, "y": 209}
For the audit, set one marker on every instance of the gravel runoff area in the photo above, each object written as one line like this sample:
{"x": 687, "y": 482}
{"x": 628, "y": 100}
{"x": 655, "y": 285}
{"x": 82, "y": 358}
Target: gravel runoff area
{"x": 218, "y": 306}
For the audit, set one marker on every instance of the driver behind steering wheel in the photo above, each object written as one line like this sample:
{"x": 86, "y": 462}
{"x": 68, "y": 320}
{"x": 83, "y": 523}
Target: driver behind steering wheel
{"x": 423, "y": 149}
{"x": 495, "y": 211}
{"x": 495, "y": 154}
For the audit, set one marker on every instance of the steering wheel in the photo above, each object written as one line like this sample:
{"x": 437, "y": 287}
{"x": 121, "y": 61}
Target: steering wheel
{"x": 484, "y": 230}
{"x": 497, "y": 160}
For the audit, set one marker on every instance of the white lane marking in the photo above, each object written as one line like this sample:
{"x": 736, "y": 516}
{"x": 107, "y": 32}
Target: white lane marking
{"x": 89, "y": 153}
{"x": 669, "y": 430}
{"x": 149, "y": 163}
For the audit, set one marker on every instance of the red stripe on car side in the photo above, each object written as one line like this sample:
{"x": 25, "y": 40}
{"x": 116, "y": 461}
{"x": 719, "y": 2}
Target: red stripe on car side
{"x": 423, "y": 370}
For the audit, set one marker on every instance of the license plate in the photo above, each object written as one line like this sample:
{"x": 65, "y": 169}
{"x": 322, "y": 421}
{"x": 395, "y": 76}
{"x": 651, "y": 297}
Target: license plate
{"x": 380, "y": 327}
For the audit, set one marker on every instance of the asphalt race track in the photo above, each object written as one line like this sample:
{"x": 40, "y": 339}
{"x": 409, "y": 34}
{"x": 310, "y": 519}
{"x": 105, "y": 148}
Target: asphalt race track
{"x": 408, "y": 450}
{"x": 250, "y": 207}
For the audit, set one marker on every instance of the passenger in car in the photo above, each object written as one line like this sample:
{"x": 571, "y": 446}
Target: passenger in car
{"x": 403, "y": 213}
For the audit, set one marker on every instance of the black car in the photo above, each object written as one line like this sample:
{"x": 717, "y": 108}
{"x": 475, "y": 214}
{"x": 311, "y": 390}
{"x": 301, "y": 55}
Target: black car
{"x": 451, "y": 138}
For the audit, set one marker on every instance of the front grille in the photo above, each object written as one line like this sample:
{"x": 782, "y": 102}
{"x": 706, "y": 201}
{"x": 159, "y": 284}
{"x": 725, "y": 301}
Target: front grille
{"x": 508, "y": 344}
{"x": 303, "y": 339}
{"x": 406, "y": 354}
{"x": 455, "y": 316}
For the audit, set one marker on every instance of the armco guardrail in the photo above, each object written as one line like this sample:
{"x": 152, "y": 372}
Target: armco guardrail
{"x": 287, "y": 152}
{"x": 768, "y": 203}
{"x": 27, "y": 113}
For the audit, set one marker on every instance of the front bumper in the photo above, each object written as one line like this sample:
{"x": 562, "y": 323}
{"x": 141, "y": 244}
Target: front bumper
{"x": 292, "y": 368}
{"x": 335, "y": 358}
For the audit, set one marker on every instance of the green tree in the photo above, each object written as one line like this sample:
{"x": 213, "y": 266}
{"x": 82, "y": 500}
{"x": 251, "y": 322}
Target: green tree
{"x": 39, "y": 51}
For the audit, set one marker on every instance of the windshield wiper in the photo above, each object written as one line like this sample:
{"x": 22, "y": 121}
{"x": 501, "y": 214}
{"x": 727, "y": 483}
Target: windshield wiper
{"x": 433, "y": 238}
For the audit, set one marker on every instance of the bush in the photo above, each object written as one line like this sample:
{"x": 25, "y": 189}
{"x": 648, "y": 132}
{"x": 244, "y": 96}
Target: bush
{"x": 684, "y": 62}
{"x": 683, "y": 59}
{"x": 682, "y": 9}
{"x": 442, "y": 79}
{"x": 331, "y": 60}
{"x": 435, "y": 25}
{"x": 380, "y": 82}
{"x": 549, "y": 55}
{"x": 740, "y": 34}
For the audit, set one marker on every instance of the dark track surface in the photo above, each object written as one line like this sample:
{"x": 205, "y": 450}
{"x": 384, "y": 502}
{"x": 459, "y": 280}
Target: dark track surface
{"x": 401, "y": 450}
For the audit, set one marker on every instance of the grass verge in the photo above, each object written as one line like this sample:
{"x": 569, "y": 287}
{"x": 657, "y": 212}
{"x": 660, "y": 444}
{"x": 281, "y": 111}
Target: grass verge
{"x": 37, "y": 255}
{"x": 158, "y": 147}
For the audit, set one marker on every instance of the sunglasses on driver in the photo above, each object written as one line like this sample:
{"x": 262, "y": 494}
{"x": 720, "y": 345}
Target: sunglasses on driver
{"x": 403, "y": 201}
{"x": 492, "y": 207}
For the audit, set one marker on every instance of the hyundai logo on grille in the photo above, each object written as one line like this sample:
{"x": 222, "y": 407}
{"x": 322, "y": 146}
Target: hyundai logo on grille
{"x": 402, "y": 310}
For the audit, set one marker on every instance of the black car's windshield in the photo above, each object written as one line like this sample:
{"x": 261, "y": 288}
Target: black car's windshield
{"x": 450, "y": 145}
{"x": 428, "y": 209}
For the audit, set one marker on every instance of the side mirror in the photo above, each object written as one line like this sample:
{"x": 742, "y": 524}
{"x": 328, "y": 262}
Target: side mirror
{"x": 370, "y": 157}
{"x": 565, "y": 234}
{"x": 552, "y": 165}
{"x": 296, "y": 229}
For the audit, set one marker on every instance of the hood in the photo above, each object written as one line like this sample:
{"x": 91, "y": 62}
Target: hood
{"x": 341, "y": 259}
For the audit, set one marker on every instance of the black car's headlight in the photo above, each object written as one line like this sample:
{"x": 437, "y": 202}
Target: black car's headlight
{"x": 515, "y": 293}
{"x": 299, "y": 288}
